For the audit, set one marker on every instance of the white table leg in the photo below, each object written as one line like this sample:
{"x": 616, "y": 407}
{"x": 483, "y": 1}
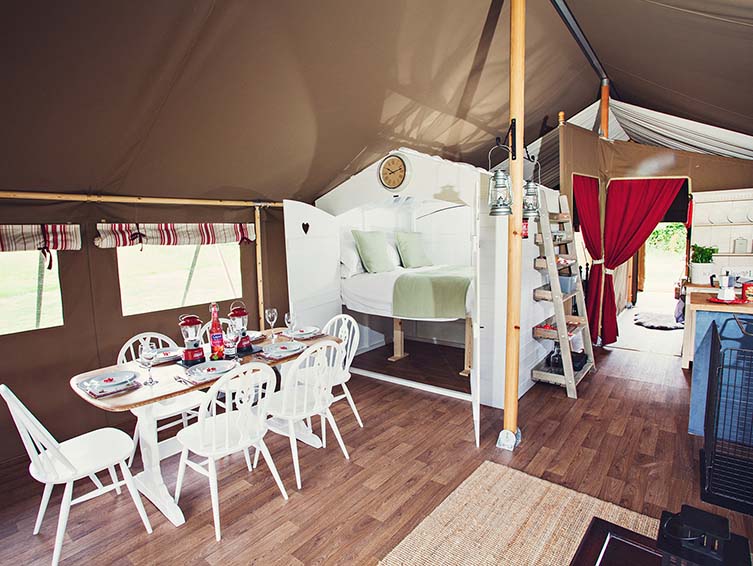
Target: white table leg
{"x": 150, "y": 482}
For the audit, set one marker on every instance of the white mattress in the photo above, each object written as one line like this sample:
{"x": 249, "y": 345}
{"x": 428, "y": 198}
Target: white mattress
{"x": 371, "y": 293}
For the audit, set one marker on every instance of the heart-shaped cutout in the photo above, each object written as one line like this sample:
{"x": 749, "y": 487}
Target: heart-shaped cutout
{"x": 305, "y": 227}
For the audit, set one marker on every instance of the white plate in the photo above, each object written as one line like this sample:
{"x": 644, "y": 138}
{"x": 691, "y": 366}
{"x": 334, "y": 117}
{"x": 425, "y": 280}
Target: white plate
{"x": 211, "y": 368}
{"x": 164, "y": 354}
{"x": 717, "y": 216}
{"x": 283, "y": 349}
{"x": 111, "y": 379}
{"x": 254, "y": 334}
{"x": 306, "y": 331}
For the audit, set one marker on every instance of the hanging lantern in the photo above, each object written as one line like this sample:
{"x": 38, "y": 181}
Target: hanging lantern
{"x": 531, "y": 200}
{"x": 500, "y": 194}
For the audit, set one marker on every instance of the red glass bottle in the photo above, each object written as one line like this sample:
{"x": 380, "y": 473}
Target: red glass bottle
{"x": 215, "y": 335}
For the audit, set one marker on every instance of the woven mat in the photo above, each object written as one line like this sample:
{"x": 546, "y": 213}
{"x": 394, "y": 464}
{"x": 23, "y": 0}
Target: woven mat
{"x": 499, "y": 515}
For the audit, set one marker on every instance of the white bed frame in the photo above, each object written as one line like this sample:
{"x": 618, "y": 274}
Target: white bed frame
{"x": 313, "y": 253}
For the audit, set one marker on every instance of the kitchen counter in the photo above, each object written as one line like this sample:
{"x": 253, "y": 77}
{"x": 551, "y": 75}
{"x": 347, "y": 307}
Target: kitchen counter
{"x": 728, "y": 319}
{"x": 696, "y": 300}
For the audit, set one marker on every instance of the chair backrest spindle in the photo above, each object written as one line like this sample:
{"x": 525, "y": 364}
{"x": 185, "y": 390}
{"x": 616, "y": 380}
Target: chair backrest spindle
{"x": 307, "y": 388}
{"x": 345, "y": 328}
{"x": 245, "y": 407}
{"x": 130, "y": 350}
{"x": 41, "y": 446}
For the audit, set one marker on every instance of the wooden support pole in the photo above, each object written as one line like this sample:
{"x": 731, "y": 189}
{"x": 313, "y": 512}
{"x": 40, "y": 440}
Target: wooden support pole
{"x": 604, "y": 109}
{"x": 259, "y": 267}
{"x": 468, "y": 356}
{"x": 515, "y": 225}
{"x": 398, "y": 340}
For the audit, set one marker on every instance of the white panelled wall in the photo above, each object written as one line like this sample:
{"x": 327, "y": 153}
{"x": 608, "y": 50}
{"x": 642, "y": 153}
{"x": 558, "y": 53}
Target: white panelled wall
{"x": 720, "y": 217}
{"x": 361, "y": 202}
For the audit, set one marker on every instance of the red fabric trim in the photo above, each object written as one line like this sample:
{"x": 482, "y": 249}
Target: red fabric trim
{"x": 634, "y": 208}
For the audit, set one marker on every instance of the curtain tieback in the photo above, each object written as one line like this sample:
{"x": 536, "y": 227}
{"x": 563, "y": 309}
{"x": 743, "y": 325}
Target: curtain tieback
{"x": 597, "y": 261}
{"x": 609, "y": 271}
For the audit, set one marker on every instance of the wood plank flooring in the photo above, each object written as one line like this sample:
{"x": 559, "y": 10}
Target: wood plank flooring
{"x": 432, "y": 364}
{"x": 623, "y": 441}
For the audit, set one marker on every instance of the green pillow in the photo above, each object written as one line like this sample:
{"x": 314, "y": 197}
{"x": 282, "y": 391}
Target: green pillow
{"x": 411, "y": 249}
{"x": 372, "y": 247}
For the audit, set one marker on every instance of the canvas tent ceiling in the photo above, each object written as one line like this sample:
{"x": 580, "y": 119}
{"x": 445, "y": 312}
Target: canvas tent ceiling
{"x": 286, "y": 99}
{"x": 628, "y": 122}
{"x": 688, "y": 58}
{"x": 260, "y": 99}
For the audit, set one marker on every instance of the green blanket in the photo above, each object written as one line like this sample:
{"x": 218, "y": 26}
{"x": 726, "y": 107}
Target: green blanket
{"x": 434, "y": 293}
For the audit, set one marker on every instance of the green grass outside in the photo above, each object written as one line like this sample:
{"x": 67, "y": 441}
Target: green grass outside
{"x": 150, "y": 280}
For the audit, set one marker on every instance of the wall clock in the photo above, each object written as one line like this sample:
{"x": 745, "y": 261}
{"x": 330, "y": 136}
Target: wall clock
{"x": 394, "y": 171}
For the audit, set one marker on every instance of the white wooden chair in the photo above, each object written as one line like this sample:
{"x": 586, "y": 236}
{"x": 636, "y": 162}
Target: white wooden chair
{"x": 307, "y": 391}
{"x": 242, "y": 425}
{"x": 186, "y": 406}
{"x": 54, "y": 463}
{"x": 224, "y": 322}
{"x": 345, "y": 328}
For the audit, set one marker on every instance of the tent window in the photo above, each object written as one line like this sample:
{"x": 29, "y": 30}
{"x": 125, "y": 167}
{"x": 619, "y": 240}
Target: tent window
{"x": 167, "y": 277}
{"x": 29, "y": 292}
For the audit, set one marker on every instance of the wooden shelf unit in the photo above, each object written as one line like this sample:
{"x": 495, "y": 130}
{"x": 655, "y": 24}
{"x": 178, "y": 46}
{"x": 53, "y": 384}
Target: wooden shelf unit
{"x": 562, "y": 302}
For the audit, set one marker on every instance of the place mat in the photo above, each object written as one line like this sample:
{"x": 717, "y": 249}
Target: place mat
{"x": 116, "y": 391}
{"x": 500, "y": 515}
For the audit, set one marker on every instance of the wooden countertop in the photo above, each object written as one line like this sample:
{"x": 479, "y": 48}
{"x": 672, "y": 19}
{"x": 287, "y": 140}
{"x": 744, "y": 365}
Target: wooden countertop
{"x": 700, "y": 302}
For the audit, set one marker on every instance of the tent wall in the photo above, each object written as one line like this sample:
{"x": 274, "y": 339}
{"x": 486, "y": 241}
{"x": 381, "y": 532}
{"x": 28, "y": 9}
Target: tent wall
{"x": 38, "y": 364}
{"x": 583, "y": 152}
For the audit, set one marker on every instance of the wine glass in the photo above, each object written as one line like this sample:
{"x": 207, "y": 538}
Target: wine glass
{"x": 290, "y": 323}
{"x": 230, "y": 339}
{"x": 270, "y": 315}
{"x": 146, "y": 359}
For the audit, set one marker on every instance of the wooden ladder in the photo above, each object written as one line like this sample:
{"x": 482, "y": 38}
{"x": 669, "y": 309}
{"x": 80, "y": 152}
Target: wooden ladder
{"x": 562, "y": 326}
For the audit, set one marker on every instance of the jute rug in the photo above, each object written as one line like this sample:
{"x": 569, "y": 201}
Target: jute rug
{"x": 499, "y": 515}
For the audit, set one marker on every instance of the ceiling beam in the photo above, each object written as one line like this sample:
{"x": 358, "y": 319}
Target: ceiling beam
{"x": 580, "y": 38}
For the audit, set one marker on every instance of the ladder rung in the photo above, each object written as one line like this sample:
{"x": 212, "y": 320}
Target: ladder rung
{"x": 539, "y": 239}
{"x": 542, "y": 372}
{"x": 544, "y": 293}
{"x": 574, "y": 324}
{"x": 559, "y": 217}
{"x": 541, "y": 263}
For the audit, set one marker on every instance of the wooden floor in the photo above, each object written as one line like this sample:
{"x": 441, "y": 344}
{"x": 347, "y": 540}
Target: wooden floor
{"x": 431, "y": 364}
{"x": 623, "y": 441}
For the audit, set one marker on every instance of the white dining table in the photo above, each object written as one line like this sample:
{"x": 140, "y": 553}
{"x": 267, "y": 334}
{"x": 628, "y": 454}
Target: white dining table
{"x": 141, "y": 401}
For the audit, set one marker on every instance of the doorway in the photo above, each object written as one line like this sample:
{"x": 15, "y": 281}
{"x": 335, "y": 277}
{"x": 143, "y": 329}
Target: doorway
{"x": 650, "y": 325}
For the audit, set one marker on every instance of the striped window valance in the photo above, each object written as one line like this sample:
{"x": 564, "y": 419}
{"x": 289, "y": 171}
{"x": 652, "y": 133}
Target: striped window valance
{"x": 26, "y": 237}
{"x": 120, "y": 235}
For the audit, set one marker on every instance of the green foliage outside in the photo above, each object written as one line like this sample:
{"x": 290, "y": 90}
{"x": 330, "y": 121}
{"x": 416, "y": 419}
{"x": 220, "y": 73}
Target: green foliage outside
{"x": 669, "y": 236}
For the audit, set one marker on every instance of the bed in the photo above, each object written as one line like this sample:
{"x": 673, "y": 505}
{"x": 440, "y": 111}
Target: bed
{"x": 372, "y": 293}
{"x": 375, "y": 293}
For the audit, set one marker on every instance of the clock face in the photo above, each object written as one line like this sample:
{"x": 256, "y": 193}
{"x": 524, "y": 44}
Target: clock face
{"x": 393, "y": 171}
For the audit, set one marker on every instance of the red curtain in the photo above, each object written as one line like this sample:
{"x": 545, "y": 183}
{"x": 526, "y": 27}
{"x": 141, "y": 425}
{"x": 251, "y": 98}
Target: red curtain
{"x": 634, "y": 208}
{"x": 586, "y": 195}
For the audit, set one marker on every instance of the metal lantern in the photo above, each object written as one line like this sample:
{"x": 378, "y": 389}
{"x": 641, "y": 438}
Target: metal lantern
{"x": 531, "y": 200}
{"x": 500, "y": 194}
